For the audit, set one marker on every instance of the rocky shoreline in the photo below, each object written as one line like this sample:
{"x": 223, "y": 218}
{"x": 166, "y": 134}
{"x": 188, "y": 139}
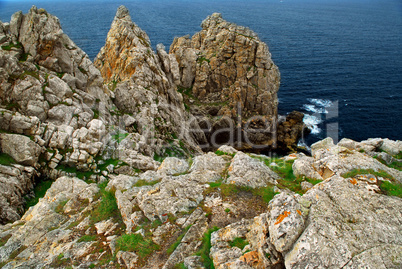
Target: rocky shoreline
{"x": 153, "y": 159}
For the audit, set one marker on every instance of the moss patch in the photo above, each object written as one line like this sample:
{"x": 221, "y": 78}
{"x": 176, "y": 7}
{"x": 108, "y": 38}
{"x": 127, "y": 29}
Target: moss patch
{"x": 178, "y": 241}
{"x": 206, "y": 248}
{"x": 356, "y": 172}
{"x": 6, "y": 159}
{"x": 107, "y": 207}
{"x": 40, "y": 190}
{"x": 238, "y": 242}
{"x": 143, "y": 247}
{"x": 391, "y": 189}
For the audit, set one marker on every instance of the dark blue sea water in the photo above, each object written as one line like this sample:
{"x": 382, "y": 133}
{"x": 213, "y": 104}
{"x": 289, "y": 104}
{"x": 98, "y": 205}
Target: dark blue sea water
{"x": 340, "y": 61}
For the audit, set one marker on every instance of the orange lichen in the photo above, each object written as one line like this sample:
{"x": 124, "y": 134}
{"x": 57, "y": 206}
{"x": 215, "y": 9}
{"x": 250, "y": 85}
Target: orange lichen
{"x": 299, "y": 212}
{"x": 250, "y": 257}
{"x": 353, "y": 181}
{"x": 282, "y": 217}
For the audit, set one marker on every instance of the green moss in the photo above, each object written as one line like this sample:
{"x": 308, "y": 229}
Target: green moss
{"x": 60, "y": 261}
{"x": 202, "y": 59}
{"x": 60, "y": 74}
{"x": 107, "y": 207}
{"x": 120, "y": 136}
{"x": 220, "y": 153}
{"x": 16, "y": 252}
{"x": 4, "y": 240}
{"x": 96, "y": 113}
{"x": 391, "y": 189}
{"x": 395, "y": 165}
{"x": 10, "y": 46}
{"x": 106, "y": 163}
{"x": 227, "y": 210}
{"x": 11, "y": 106}
{"x": 40, "y": 190}
{"x": 73, "y": 170}
{"x": 238, "y": 242}
{"x": 83, "y": 70}
{"x": 6, "y": 159}
{"x": 143, "y": 247}
{"x": 285, "y": 171}
{"x": 356, "y": 172}
{"x": 205, "y": 249}
{"x": 216, "y": 184}
{"x": 180, "y": 266}
{"x": 60, "y": 207}
{"x": 24, "y": 57}
{"x": 398, "y": 156}
{"x": 142, "y": 182}
{"x": 178, "y": 241}
{"x": 87, "y": 238}
{"x": 230, "y": 190}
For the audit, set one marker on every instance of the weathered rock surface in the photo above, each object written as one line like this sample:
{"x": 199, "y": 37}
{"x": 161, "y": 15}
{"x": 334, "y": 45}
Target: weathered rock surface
{"x": 143, "y": 87}
{"x": 329, "y": 159}
{"x": 345, "y": 225}
{"x": 21, "y": 148}
{"x": 59, "y": 120}
{"x": 228, "y": 63}
{"x": 15, "y": 182}
{"x": 246, "y": 171}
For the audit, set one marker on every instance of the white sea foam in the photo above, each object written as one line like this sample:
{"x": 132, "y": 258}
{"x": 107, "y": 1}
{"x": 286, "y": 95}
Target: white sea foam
{"x": 320, "y": 102}
{"x": 303, "y": 144}
{"x": 312, "y": 123}
{"x": 313, "y": 108}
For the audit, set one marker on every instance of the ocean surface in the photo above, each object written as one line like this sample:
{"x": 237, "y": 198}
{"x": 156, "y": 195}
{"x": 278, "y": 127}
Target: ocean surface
{"x": 340, "y": 61}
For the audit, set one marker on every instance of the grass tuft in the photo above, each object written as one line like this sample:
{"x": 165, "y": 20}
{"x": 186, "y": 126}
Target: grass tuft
{"x": 143, "y": 182}
{"x": 356, "y": 172}
{"x": 205, "y": 249}
{"x": 391, "y": 189}
{"x": 178, "y": 241}
{"x": 107, "y": 208}
{"x": 136, "y": 243}
{"x": 6, "y": 159}
{"x": 87, "y": 238}
{"x": 40, "y": 190}
{"x": 238, "y": 242}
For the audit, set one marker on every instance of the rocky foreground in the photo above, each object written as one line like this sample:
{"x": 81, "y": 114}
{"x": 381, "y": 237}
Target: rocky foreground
{"x": 101, "y": 164}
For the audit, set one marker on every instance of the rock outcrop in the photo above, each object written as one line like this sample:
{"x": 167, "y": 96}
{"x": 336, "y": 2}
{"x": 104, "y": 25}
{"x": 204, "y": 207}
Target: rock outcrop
{"x": 142, "y": 85}
{"x": 131, "y": 187}
{"x": 230, "y": 84}
{"x": 228, "y": 64}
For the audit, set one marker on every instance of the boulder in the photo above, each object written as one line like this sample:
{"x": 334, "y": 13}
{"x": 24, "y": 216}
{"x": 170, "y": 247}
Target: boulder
{"x": 246, "y": 171}
{"x": 344, "y": 227}
{"x": 21, "y": 148}
{"x": 16, "y": 181}
{"x": 173, "y": 166}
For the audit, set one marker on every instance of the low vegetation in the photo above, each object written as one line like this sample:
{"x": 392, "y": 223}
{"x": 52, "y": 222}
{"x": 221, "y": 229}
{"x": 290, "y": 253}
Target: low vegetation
{"x": 356, "y": 172}
{"x": 87, "y": 238}
{"x": 220, "y": 153}
{"x": 391, "y": 188}
{"x": 285, "y": 171}
{"x": 143, "y": 247}
{"x": 238, "y": 242}
{"x": 395, "y": 164}
{"x": 107, "y": 207}
{"x": 40, "y": 189}
{"x": 143, "y": 182}
{"x": 205, "y": 249}
{"x": 178, "y": 241}
{"x": 6, "y": 159}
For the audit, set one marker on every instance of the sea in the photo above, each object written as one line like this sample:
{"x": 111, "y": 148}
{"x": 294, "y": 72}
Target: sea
{"x": 340, "y": 60}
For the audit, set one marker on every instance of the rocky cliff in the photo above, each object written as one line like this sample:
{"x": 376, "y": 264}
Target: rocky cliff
{"x": 111, "y": 152}
{"x": 230, "y": 83}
